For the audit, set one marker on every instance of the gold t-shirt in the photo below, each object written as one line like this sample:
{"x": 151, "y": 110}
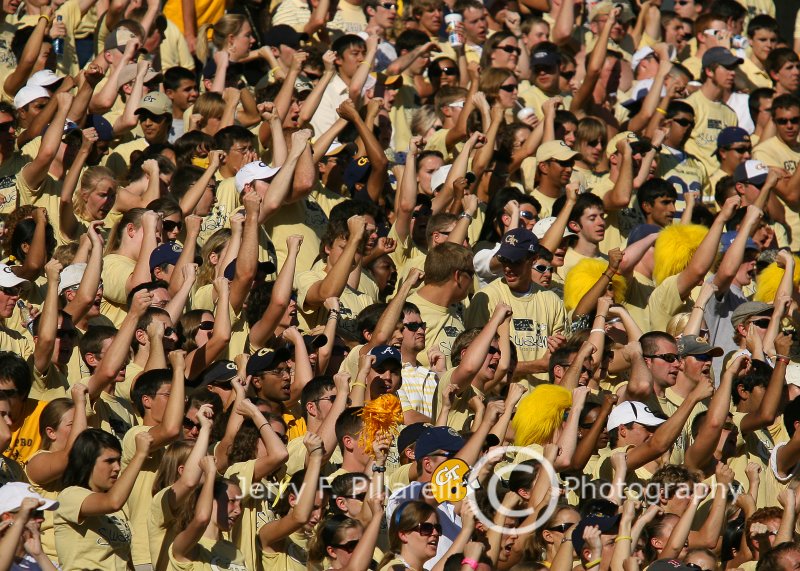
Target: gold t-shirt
{"x": 116, "y": 271}
{"x": 444, "y": 324}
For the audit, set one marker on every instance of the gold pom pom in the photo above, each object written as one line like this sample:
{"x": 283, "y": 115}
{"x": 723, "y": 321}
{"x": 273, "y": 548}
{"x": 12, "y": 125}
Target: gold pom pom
{"x": 770, "y": 278}
{"x": 675, "y": 246}
{"x": 381, "y": 416}
{"x": 583, "y": 276}
{"x": 540, "y": 414}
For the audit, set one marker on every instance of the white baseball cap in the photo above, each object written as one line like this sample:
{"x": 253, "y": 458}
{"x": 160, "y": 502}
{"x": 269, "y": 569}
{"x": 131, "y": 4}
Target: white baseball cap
{"x": 639, "y": 55}
{"x": 256, "y": 170}
{"x": 12, "y": 494}
{"x": 543, "y": 225}
{"x": 8, "y": 278}
{"x": 44, "y": 78}
{"x": 632, "y": 411}
{"x": 29, "y": 93}
{"x": 439, "y": 176}
{"x": 71, "y": 276}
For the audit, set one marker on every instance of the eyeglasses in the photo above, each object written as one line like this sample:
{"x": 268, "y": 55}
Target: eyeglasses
{"x": 449, "y": 70}
{"x": 241, "y": 150}
{"x": 510, "y": 49}
{"x": 171, "y": 225}
{"x": 683, "y": 122}
{"x": 561, "y": 527}
{"x": 349, "y": 547}
{"x": 568, "y": 75}
{"x": 527, "y": 215}
{"x": 740, "y": 150}
{"x": 279, "y": 372}
{"x": 762, "y": 323}
{"x": 509, "y": 88}
{"x": 188, "y": 424}
{"x": 787, "y": 120}
{"x": 13, "y": 291}
{"x": 542, "y": 268}
{"x": 9, "y": 393}
{"x": 206, "y": 325}
{"x": 426, "y": 529}
{"x": 703, "y": 357}
{"x": 330, "y": 399}
{"x": 667, "y": 357}
{"x": 415, "y": 325}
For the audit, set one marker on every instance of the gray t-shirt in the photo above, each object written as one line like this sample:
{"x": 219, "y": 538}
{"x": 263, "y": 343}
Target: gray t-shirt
{"x": 718, "y": 318}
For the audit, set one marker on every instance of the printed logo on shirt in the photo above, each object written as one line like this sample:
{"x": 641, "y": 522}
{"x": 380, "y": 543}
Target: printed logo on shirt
{"x": 451, "y": 331}
{"x": 715, "y": 124}
{"x": 523, "y": 324}
{"x": 114, "y": 532}
{"x": 789, "y": 166}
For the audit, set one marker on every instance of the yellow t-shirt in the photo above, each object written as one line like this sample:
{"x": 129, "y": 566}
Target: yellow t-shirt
{"x": 776, "y": 153}
{"x": 244, "y": 534}
{"x": 349, "y": 18}
{"x": 710, "y": 118}
{"x": 210, "y": 555}
{"x": 665, "y": 301}
{"x": 640, "y": 288}
{"x": 70, "y": 13}
{"x": 174, "y": 50}
{"x": 444, "y": 324}
{"x": 141, "y": 496}
{"x": 351, "y": 302}
{"x": 95, "y": 542}
{"x": 613, "y": 237}
{"x": 669, "y": 404}
{"x": 460, "y": 416}
{"x": 46, "y": 196}
{"x": 438, "y": 142}
{"x": 547, "y": 202}
{"x": 8, "y": 185}
{"x": 161, "y": 530}
{"x": 119, "y": 159}
{"x": 50, "y": 385}
{"x": 116, "y": 271}
{"x": 47, "y": 531}
{"x": 26, "y": 441}
{"x": 206, "y": 12}
{"x": 402, "y": 112}
{"x": 755, "y": 76}
{"x": 537, "y": 315}
{"x": 297, "y": 218}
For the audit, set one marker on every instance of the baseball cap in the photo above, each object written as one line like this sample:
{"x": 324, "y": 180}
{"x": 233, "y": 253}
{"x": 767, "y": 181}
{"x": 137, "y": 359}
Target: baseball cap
{"x": 557, "y": 150}
{"x": 44, "y": 78}
{"x": 30, "y": 93}
{"x": 410, "y": 434}
{"x": 167, "y": 253}
{"x": 336, "y": 148}
{"x": 8, "y": 278}
{"x": 604, "y": 523}
{"x": 314, "y": 342}
{"x": 604, "y": 8}
{"x": 105, "y": 132}
{"x": 692, "y": 345}
{"x": 218, "y": 373}
{"x": 637, "y": 145}
{"x": 263, "y": 267}
{"x": 642, "y": 231}
{"x": 731, "y": 135}
{"x": 70, "y": 276}
{"x": 543, "y": 225}
{"x": 728, "y": 237}
{"x": 156, "y": 103}
{"x": 266, "y": 359}
{"x": 545, "y": 58}
{"x": 356, "y": 171}
{"x": 257, "y": 170}
{"x": 632, "y": 411}
{"x": 128, "y": 74}
{"x": 669, "y": 565}
{"x": 12, "y": 494}
{"x": 439, "y": 176}
{"x": 639, "y": 55}
{"x": 721, "y": 56}
{"x": 283, "y": 35}
{"x": 119, "y": 38}
{"x": 517, "y": 244}
{"x": 751, "y": 172}
{"x": 438, "y": 438}
{"x": 749, "y": 309}
{"x": 384, "y": 353}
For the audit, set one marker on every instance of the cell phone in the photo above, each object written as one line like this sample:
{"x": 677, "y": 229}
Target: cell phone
{"x": 380, "y": 86}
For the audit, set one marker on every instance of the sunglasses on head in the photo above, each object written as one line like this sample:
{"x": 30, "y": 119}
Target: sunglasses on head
{"x": 509, "y": 88}
{"x": 666, "y": 357}
{"x": 171, "y": 225}
{"x": 568, "y": 75}
{"x": 787, "y": 120}
{"x": 415, "y": 325}
{"x": 349, "y": 547}
{"x": 542, "y": 268}
{"x": 683, "y": 122}
{"x": 426, "y": 529}
{"x": 510, "y": 49}
{"x": 206, "y": 325}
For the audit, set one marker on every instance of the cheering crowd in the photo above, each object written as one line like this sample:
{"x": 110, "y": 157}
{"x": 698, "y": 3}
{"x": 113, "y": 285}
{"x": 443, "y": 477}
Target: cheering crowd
{"x": 444, "y": 285}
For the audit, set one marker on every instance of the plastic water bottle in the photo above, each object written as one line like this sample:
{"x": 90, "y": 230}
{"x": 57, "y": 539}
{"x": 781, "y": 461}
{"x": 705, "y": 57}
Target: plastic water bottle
{"x": 58, "y": 43}
{"x": 27, "y": 318}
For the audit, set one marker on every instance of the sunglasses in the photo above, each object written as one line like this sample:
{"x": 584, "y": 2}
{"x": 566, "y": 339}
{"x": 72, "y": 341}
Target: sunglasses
{"x": 666, "y": 357}
{"x": 449, "y": 70}
{"x": 762, "y": 323}
{"x": 415, "y": 325}
{"x": 349, "y": 547}
{"x": 703, "y": 358}
{"x": 9, "y": 393}
{"x": 787, "y": 120}
{"x": 695, "y": 565}
{"x": 312, "y": 76}
{"x": 7, "y": 126}
{"x": 145, "y": 115}
{"x": 509, "y": 88}
{"x": 171, "y": 225}
{"x": 189, "y": 425}
{"x": 494, "y": 351}
{"x": 564, "y": 164}
{"x": 740, "y": 150}
{"x": 426, "y": 529}
{"x": 527, "y": 215}
{"x": 510, "y": 49}
{"x": 388, "y": 5}
{"x": 13, "y": 291}
{"x": 594, "y": 142}
{"x": 683, "y": 122}
{"x": 206, "y": 325}
{"x": 568, "y": 75}
{"x": 169, "y": 331}
{"x": 542, "y": 268}
{"x": 561, "y": 527}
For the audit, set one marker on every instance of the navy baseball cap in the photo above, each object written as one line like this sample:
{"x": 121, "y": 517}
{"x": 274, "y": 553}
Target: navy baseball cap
{"x": 727, "y": 240}
{"x": 218, "y": 373}
{"x": 384, "y": 353}
{"x": 105, "y": 132}
{"x": 721, "y": 56}
{"x": 410, "y": 434}
{"x": 604, "y": 522}
{"x": 356, "y": 171}
{"x": 266, "y": 359}
{"x": 438, "y": 438}
{"x": 167, "y": 253}
{"x": 732, "y": 135}
{"x": 517, "y": 244}
{"x": 545, "y": 58}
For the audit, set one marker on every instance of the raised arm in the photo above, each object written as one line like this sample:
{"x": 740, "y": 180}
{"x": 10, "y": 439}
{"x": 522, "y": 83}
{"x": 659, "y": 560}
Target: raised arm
{"x": 768, "y": 411}
{"x": 406, "y": 195}
{"x": 17, "y": 79}
{"x": 597, "y": 59}
{"x": 393, "y": 314}
{"x": 192, "y": 470}
{"x": 189, "y": 200}
{"x": 171, "y": 424}
{"x": 473, "y": 359}
{"x": 66, "y": 208}
{"x": 735, "y": 254}
{"x": 200, "y": 358}
{"x": 276, "y": 453}
{"x": 374, "y": 150}
{"x": 35, "y": 171}
{"x": 47, "y": 330}
{"x": 336, "y": 280}
{"x": 187, "y": 538}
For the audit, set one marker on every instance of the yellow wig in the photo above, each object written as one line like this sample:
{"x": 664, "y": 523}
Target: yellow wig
{"x": 675, "y": 246}
{"x": 770, "y": 278}
{"x": 583, "y": 276}
{"x": 540, "y": 414}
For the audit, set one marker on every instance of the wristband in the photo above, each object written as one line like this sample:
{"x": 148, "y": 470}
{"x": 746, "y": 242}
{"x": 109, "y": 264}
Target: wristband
{"x": 782, "y": 359}
{"x": 358, "y": 385}
{"x": 379, "y": 469}
{"x": 470, "y": 562}
{"x": 262, "y": 426}
{"x": 467, "y": 215}
{"x": 662, "y": 111}
{"x": 45, "y": 16}
{"x": 597, "y": 331}
{"x": 700, "y": 307}
{"x": 610, "y": 277}
{"x": 566, "y": 539}
{"x": 623, "y": 538}
{"x": 593, "y": 563}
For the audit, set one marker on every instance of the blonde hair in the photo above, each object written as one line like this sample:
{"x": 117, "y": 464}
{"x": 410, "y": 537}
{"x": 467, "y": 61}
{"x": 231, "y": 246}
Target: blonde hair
{"x": 132, "y": 216}
{"x": 209, "y": 105}
{"x": 491, "y": 80}
{"x": 214, "y": 245}
{"x": 228, "y": 25}
{"x": 89, "y": 181}
{"x": 423, "y": 120}
{"x": 677, "y": 324}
